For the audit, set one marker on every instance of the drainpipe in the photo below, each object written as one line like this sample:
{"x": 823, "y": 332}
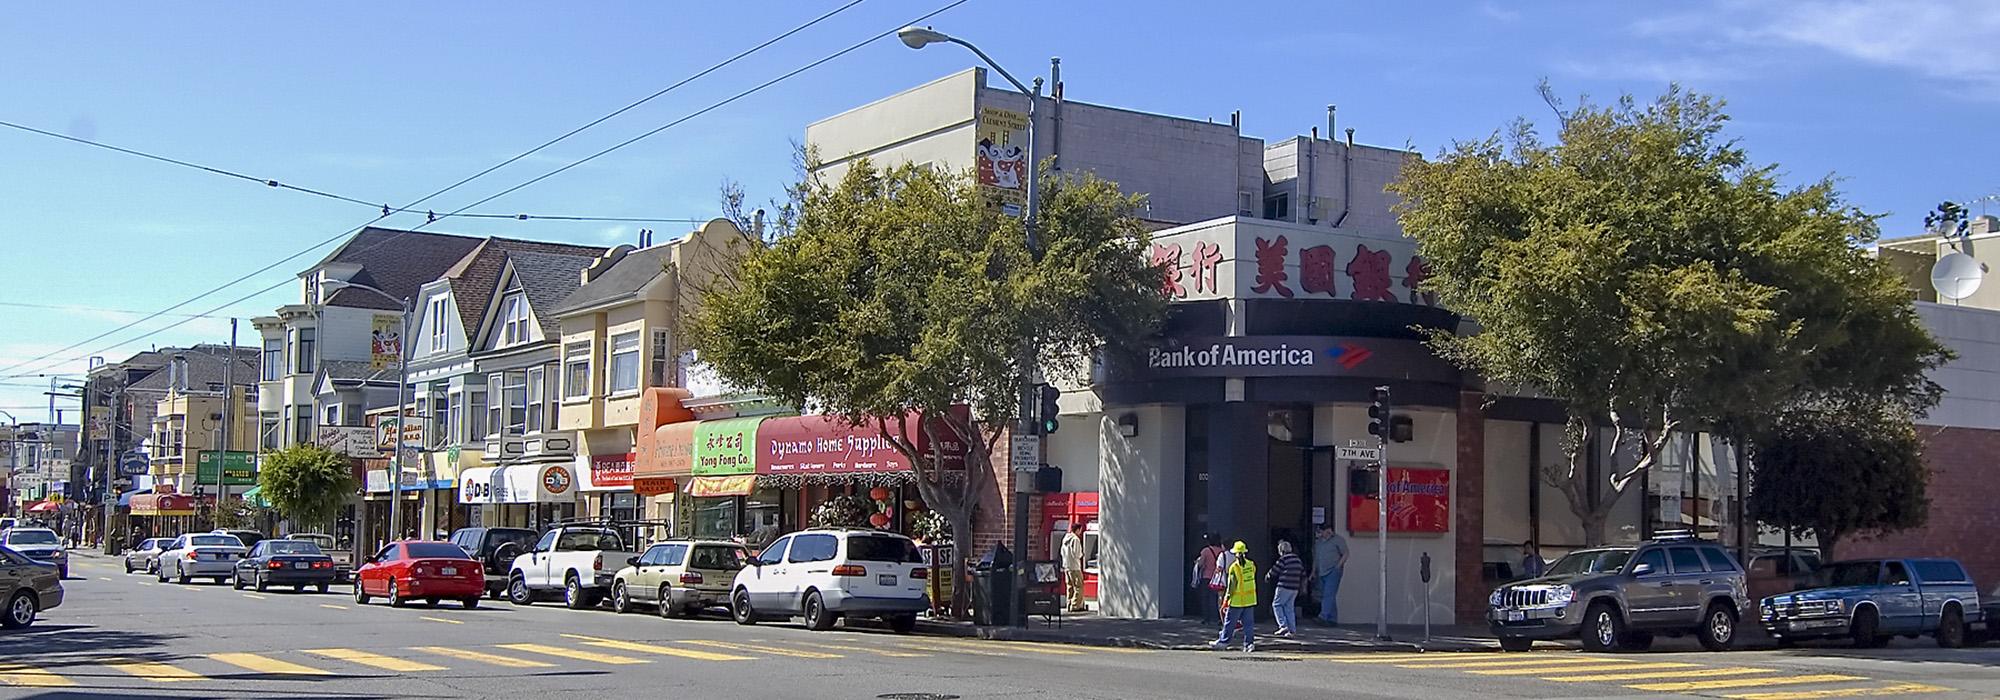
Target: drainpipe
{"x": 1312, "y": 168}
{"x": 1346, "y": 176}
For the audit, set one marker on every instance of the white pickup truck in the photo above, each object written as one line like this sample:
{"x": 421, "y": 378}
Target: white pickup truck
{"x": 579, "y": 560}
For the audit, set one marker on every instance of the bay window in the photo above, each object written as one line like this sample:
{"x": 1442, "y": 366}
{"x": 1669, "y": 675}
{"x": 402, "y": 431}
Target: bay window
{"x": 576, "y": 370}
{"x": 623, "y": 376}
{"x": 536, "y": 399}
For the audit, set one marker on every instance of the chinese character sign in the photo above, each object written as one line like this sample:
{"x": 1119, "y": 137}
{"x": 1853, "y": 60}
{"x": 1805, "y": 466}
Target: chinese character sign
{"x": 385, "y": 342}
{"x": 1001, "y": 157}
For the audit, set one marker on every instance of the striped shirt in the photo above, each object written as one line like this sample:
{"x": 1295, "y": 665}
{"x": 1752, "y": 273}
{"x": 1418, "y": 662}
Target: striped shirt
{"x": 1289, "y": 572}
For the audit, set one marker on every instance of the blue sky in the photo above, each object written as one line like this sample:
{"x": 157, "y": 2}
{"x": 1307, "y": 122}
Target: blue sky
{"x": 389, "y": 101}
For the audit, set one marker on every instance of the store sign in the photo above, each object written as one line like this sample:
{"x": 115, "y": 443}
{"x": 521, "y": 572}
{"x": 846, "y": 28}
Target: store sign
{"x": 385, "y": 342}
{"x": 238, "y": 468}
{"x": 829, "y": 445}
{"x": 720, "y": 486}
{"x": 726, "y": 447}
{"x": 610, "y": 472}
{"x": 1249, "y": 259}
{"x": 1295, "y": 356}
{"x": 1001, "y": 157}
{"x": 521, "y": 483}
{"x": 353, "y": 441}
{"x": 654, "y": 485}
{"x": 1419, "y": 502}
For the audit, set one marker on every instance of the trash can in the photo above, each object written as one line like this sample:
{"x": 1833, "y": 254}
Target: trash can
{"x": 993, "y": 588}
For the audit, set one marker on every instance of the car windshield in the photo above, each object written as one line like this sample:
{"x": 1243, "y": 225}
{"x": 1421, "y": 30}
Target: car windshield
{"x": 590, "y": 541}
{"x": 214, "y": 541}
{"x": 718, "y": 558}
{"x": 290, "y": 547}
{"x": 1590, "y": 562}
{"x": 20, "y": 537}
{"x": 1850, "y": 573}
{"x": 883, "y": 548}
{"x": 321, "y": 540}
{"x": 434, "y": 550}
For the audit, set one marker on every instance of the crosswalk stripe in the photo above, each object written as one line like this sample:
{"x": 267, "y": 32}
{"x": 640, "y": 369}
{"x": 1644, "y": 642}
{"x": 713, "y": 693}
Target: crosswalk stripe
{"x": 1021, "y": 646}
{"x": 881, "y": 652}
{"x": 29, "y": 676}
{"x": 1497, "y": 663}
{"x": 366, "y": 658}
{"x": 440, "y": 619}
{"x": 1534, "y": 670}
{"x": 574, "y": 654}
{"x": 968, "y": 650}
{"x": 1366, "y": 658}
{"x": 485, "y": 658}
{"x": 153, "y": 671}
{"x": 1745, "y": 682}
{"x": 657, "y": 649}
{"x": 1650, "y": 675}
{"x": 1898, "y": 689}
{"x": 266, "y": 664}
{"x": 766, "y": 649}
{"x": 253, "y": 595}
{"x": 332, "y": 607}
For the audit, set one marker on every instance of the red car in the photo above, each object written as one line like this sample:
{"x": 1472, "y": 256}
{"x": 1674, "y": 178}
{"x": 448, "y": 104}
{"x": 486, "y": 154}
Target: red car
{"x": 432, "y": 571}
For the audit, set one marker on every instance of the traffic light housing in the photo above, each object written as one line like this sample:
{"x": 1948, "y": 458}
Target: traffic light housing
{"x": 1379, "y": 416}
{"x": 1401, "y": 428}
{"x": 1363, "y": 481}
{"x": 1048, "y": 411}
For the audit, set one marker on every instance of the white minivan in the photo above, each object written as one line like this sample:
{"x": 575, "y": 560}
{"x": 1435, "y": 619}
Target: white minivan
{"x": 827, "y": 574}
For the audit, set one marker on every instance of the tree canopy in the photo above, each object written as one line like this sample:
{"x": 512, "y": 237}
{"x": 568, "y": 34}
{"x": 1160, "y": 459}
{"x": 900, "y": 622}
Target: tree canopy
{"x": 1840, "y": 471}
{"x": 306, "y": 483}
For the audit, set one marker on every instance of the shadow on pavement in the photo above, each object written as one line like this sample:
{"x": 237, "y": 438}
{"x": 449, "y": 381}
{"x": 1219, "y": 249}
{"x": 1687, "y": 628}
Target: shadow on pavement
{"x": 41, "y": 640}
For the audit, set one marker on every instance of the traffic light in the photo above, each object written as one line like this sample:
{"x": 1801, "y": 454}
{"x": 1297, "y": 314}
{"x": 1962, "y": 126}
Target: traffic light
{"x": 1378, "y": 413}
{"x": 1048, "y": 410}
{"x": 1402, "y": 429}
{"x": 1363, "y": 481}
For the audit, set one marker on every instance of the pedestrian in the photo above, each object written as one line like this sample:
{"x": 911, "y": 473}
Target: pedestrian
{"x": 1288, "y": 575}
{"x": 1329, "y": 558}
{"x": 1532, "y": 565}
{"x": 1203, "y": 577}
{"x": 1072, "y": 563}
{"x": 1240, "y": 592}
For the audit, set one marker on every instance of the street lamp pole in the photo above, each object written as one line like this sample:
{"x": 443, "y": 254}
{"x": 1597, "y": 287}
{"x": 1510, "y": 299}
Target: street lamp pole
{"x": 402, "y": 402}
{"x": 1024, "y": 483}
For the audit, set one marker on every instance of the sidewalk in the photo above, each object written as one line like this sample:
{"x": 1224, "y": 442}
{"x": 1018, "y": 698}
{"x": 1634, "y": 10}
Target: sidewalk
{"x": 1088, "y": 629}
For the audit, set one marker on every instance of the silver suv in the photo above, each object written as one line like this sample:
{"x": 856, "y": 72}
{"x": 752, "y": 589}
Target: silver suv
{"x": 1617, "y": 598}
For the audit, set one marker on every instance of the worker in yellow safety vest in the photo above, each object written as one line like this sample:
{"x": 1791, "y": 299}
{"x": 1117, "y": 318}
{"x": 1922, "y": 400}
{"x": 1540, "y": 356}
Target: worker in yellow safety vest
{"x": 1240, "y": 590}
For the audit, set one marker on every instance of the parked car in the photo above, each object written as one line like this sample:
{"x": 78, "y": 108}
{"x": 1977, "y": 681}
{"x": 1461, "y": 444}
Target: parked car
{"x": 343, "y": 557}
{"x": 297, "y": 563}
{"x": 826, "y": 574}
{"x": 205, "y": 554}
{"x": 39, "y": 544}
{"x": 31, "y": 587}
{"x": 146, "y": 554}
{"x": 680, "y": 578}
{"x": 1775, "y": 571}
{"x": 432, "y": 571}
{"x": 1988, "y": 627}
{"x": 1872, "y": 600}
{"x": 249, "y": 538}
{"x": 1619, "y": 597}
{"x": 495, "y": 548}
{"x": 579, "y": 560}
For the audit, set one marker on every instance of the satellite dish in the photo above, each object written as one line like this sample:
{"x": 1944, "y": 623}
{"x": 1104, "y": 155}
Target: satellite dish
{"x": 1957, "y": 276}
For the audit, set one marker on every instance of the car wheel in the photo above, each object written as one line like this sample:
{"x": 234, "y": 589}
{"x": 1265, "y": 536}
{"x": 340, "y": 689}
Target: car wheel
{"x": 1866, "y": 629}
{"x": 20, "y": 611}
{"x": 62, "y": 572}
{"x": 518, "y": 592}
{"x": 321, "y": 588}
{"x": 903, "y": 624}
{"x": 260, "y": 583}
{"x": 621, "y": 599}
{"x": 1718, "y": 628}
{"x": 1515, "y": 644}
{"x": 1951, "y": 628}
{"x": 470, "y": 603}
{"x": 739, "y": 608}
{"x": 395, "y": 596}
{"x": 236, "y": 582}
{"x": 180, "y": 575}
{"x": 432, "y": 602}
{"x": 667, "y": 609}
{"x": 128, "y": 566}
{"x": 219, "y": 580}
{"x": 818, "y": 618}
{"x": 1602, "y": 628}
{"x": 360, "y": 597}
{"x": 153, "y": 567}
{"x": 160, "y": 573}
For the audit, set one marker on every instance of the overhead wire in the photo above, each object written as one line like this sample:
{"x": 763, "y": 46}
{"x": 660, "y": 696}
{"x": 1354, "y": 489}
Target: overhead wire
{"x": 388, "y": 211}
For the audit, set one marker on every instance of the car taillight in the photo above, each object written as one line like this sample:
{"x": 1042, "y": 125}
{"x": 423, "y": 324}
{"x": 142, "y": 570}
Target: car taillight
{"x": 919, "y": 573}
{"x": 597, "y": 562}
{"x": 322, "y": 565}
{"x": 850, "y": 570}
{"x": 691, "y": 577}
{"x": 275, "y": 565}
{"x": 191, "y": 556}
{"x": 423, "y": 571}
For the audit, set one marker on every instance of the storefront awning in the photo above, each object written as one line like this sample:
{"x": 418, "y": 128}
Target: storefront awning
{"x": 520, "y": 483}
{"x": 162, "y": 504}
{"x": 667, "y": 452}
{"x": 828, "y": 445}
{"x": 256, "y": 496}
{"x": 720, "y": 486}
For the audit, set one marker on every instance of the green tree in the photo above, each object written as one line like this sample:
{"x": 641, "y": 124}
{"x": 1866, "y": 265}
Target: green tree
{"x": 306, "y": 483}
{"x": 1644, "y": 273}
{"x": 1838, "y": 471}
{"x": 904, "y": 290}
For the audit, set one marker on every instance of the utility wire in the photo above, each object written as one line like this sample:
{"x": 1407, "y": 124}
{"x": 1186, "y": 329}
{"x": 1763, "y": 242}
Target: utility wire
{"x": 387, "y": 211}
{"x": 74, "y": 307}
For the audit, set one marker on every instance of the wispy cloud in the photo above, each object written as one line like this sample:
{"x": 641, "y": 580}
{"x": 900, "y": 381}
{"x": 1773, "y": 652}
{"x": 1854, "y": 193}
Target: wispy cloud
{"x": 1937, "y": 39}
{"x": 1653, "y": 68}
{"x": 1492, "y": 10}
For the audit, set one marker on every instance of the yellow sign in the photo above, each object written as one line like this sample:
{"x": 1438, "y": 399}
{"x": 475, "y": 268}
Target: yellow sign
{"x": 385, "y": 342}
{"x": 1001, "y": 157}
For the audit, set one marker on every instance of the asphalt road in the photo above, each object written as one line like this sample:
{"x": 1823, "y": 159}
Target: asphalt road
{"x": 122, "y": 636}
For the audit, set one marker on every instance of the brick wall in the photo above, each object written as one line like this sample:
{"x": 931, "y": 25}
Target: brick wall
{"x": 1965, "y": 506}
{"x": 1469, "y": 590}
{"x": 993, "y": 521}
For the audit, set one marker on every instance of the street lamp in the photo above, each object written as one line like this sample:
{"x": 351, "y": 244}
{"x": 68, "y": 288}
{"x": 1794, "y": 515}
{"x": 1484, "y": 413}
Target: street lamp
{"x": 917, "y": 38}
{"x": 402, "y": 400}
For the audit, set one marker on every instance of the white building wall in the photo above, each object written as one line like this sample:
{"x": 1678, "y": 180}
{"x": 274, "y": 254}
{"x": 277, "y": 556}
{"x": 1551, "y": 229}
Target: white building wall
{"x": 1435, "y": 444}
{"x": 1142, "y": 497}
{"x": 1972, "y": 380}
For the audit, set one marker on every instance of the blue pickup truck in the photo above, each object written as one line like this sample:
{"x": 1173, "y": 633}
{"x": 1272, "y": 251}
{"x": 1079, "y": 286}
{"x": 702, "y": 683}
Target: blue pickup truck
{"x": 1872, "y": 600}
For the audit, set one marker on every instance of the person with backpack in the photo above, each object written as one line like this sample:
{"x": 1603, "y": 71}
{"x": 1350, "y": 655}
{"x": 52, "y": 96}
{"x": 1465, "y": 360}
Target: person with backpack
{"x": 1204, "y": 579}
{"x": 1288, "y": 574}
{"x": 1240, "y": 592}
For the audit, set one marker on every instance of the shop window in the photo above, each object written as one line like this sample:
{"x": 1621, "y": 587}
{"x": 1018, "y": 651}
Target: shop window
{"x": 813, "y": 547}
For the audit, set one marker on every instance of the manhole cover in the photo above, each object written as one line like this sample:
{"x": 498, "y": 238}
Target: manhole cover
{"x": 1256, "y": 658}
{"x": 916, "y": 696}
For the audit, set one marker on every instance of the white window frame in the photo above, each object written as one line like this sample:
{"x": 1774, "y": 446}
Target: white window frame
{"x": 623, "y": 346}
{"x": 576, "y": 366}
{"x": 438, "y": 323}
{"x": 536, "y": 399}
{"x": 274, "y": 360}
{"x": 513, "y": 319}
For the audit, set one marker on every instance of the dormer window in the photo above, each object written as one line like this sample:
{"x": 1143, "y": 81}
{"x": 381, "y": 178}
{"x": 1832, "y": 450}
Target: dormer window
{"x": 513, "y": 319}
{"x": 437, "y": 324}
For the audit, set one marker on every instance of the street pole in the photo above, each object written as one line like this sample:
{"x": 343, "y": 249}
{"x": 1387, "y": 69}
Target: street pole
{"x": 402, "y": 416}
{"x": 228, "y": 396}
{"x": 1382, "y": 516}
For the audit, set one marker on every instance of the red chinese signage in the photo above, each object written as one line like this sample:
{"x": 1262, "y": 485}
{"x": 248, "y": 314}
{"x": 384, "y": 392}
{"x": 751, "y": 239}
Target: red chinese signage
{"x": 611, "y": 471}
{"x": 1298, "y": 264}
{"x": 1419, "y": 502}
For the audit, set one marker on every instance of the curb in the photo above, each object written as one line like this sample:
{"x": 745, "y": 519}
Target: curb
{"x": 1016, "y": 634}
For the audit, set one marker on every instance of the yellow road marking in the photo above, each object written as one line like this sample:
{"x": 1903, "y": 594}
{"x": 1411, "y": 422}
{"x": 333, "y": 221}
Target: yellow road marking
{"x": 1366, "y": 658}
{"x": 1574, "y": 660}
{"x": 265, "y": 664}
{"x": 333, "y": 607}
{"x": 372, "y": 659}
{"x": 29, "y": 676}
{"x": 153, "y": 671}
{"x": 443, "y": 620}
{"x": 485, "y": 658}
{"x": 1626, "y": 666}
{"x": 972, "y": 651}
{"x": 1745, "y": 682}
{"x": 844, "y": 647}
{"x": 657, "y": 649}
{"x": 766, "y": 649}
{"x": 1022, "y": 646}
{"x": 1649, "y": 675}
{"x": 253, "y": 595}
{"x": 574, "y": 654}
{"x": 1899, "y": 689}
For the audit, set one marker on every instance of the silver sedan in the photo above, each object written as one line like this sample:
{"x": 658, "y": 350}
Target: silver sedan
{"x": 146, "y": 555}
{"x": 202, "y": 555}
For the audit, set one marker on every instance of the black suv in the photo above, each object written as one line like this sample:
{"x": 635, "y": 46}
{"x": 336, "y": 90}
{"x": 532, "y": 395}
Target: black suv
{"x": 1618, "y": 597}
{"x": 495, "y": 549}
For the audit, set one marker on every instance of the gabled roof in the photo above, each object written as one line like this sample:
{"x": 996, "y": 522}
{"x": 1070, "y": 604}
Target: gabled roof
{"x": 546, "y": 280}
{"x": 394, "y": 261}
{"x": 624, "y": 279}
{"x": 476, "y": 276}
{"x": 205, "y": 366}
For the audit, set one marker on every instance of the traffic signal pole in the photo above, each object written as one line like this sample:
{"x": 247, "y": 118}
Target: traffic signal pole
{"x": 1381, "y": 422}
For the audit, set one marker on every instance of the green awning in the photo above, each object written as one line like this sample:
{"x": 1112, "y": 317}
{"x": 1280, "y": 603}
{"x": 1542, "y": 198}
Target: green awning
{"x": 256, "y": 496}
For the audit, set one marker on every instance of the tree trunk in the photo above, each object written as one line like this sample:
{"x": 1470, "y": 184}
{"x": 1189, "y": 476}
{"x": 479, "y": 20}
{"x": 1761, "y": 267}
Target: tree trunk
{"x": 1827, "y": 539}
{"x": 1593, "y": 528}
{"x": 961, "y": 574}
